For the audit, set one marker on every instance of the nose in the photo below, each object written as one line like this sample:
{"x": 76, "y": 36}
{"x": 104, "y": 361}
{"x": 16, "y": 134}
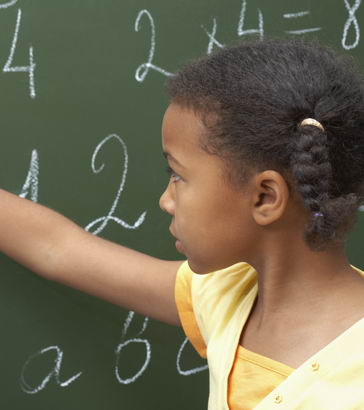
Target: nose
{"x": 166, "y": 201}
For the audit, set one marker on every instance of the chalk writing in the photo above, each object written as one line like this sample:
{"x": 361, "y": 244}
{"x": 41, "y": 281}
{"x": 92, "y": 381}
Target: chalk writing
{"x": 144, "y": 68}
{"x": 31, "y": 182}
{"x": 212, "y": 40}
{"x": 191, "y": 371}
{"x": 242, "y": 31}
{"x": 104, "y": 220}
{"x": 122, "y": 346}
{"x": 8, "y": 4}
{"x": 8, "y": 68}
{"x": 296, "y": 15}
{"x": 351, "y": 21}
{"x": 54, "y": 373}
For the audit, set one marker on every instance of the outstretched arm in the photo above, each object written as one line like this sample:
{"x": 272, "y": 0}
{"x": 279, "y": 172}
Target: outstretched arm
{"x": 56, "y": 248}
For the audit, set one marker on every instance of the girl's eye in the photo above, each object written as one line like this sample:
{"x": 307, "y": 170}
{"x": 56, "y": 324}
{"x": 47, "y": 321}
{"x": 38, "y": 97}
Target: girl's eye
{"x": 172, "y": 174}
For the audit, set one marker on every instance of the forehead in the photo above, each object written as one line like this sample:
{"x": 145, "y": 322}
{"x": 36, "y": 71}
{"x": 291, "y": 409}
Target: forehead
{"x": 182, "y": 130}
{"x": 183, "y": 134}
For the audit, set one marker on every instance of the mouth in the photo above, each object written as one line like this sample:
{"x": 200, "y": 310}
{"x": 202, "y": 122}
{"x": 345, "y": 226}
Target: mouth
{"x": 172, "y": 233}
{"x": 179, "y": 246}
{"x": 178, "y": 243}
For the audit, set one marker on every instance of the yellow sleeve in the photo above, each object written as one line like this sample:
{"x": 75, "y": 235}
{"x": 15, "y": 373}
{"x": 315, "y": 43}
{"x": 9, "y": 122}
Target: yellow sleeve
{"x": 183, "y": 297}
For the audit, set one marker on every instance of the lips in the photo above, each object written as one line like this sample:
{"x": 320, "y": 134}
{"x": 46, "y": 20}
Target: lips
{"x": 178, "y": 244}
{"x": 179, "y": 247}
{"x": 172, "y": 233}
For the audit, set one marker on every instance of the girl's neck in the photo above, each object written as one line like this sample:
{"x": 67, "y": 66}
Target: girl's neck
{"x": 298, "y": 285}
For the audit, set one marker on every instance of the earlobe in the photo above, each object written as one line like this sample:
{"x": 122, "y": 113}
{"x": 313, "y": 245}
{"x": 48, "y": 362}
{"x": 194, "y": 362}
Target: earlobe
{"x": 270, "y": 197}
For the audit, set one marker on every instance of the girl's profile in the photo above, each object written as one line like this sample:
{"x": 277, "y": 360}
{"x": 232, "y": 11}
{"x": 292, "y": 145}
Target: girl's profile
{"x": 265, "y": 148}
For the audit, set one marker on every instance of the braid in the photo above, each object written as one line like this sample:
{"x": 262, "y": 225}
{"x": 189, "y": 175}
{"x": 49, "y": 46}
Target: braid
{"x": 313, "y": 174}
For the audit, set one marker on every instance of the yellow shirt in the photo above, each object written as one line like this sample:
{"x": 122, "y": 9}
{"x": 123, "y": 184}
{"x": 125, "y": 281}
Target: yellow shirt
{"x": 252, "y": 377}
{"x": 213, "y": 309}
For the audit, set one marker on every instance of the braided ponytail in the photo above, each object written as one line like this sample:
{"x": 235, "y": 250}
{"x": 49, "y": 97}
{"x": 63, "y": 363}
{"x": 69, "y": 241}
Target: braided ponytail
{"x": 311, "y": 168}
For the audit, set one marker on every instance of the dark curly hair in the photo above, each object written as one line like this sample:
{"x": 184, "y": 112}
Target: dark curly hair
{"x": 252, "y": 97}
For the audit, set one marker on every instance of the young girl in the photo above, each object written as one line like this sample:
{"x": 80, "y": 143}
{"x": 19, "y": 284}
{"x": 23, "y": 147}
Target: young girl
{"x": 265, "y": 144}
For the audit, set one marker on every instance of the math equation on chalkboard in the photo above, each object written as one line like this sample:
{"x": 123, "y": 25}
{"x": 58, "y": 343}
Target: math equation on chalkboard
{"x": 350, "y": 37}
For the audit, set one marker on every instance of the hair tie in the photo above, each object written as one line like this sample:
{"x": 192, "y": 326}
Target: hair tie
{"x": 317, "y": 214}
{"x": 311, "y": 121}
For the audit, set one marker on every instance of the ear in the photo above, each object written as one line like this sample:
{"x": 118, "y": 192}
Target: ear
{"x": 270, "y": 197}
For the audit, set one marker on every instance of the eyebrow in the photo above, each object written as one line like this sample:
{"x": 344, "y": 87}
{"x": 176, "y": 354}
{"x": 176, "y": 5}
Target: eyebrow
{"x": 167, "y": 156}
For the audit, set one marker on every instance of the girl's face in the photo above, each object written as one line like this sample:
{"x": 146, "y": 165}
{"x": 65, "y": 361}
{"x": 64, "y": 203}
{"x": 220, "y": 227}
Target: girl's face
{"x": 210, "y": 219}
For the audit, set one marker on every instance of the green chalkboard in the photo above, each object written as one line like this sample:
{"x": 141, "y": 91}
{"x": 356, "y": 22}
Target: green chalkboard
{"x": 82, "y": 98}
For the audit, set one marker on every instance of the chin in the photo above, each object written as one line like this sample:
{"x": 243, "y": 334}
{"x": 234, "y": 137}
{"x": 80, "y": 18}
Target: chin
{"x": 196, "y": 267}
{"x": 203, "y": 269}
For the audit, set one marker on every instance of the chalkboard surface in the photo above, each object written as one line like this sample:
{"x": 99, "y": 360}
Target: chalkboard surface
{"x": 82, "y": 99}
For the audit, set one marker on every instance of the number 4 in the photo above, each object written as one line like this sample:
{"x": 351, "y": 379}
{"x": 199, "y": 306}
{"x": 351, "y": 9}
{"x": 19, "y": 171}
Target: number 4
{"x": 8, "y": 68}
{"x": 242, "y": 31}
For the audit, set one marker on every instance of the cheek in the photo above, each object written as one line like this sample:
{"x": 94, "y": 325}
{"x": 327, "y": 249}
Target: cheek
{"x": 213, "y": 234}
{"x": 193, "y": 223}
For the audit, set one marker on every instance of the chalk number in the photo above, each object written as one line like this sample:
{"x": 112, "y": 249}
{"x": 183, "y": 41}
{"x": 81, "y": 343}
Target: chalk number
{"x": 351, "y": 22}
{"x": 9, "y": 67}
